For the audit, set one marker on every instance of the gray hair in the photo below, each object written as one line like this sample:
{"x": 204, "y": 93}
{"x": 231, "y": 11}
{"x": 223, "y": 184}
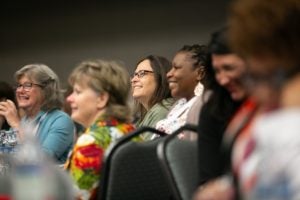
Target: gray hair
{"x": 41, "y": 74}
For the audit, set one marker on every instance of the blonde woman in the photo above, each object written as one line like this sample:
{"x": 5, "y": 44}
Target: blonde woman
{"x": 98, "y": 102}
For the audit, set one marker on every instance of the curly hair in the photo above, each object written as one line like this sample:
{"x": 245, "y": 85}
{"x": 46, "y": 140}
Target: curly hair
{"x": 200, "y": 55}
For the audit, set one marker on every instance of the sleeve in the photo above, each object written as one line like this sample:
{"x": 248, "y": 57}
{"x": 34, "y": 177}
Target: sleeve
{"x": 85, "y": 166}
{"x": 155, "y": 116}
{"x": 210, "y": 136}
{"x": 59, "y": 138}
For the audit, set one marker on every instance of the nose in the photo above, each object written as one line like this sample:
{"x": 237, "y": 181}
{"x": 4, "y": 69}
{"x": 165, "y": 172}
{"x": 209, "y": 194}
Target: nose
{"x": 170, "y": 73}
{"x": 20, "y": 91}
{"x": 134, "y": 79}
{"x": 70, "y": 97}
{"x": 222, "y": 79}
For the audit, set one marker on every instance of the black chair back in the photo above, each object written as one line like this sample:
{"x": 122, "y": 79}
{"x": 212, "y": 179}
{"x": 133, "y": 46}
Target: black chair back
{"x": 178, "y": 159}
{"x": 132, "y": 171}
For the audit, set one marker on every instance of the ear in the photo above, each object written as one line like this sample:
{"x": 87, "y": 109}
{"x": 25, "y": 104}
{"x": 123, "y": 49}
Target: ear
{"x": 200, "y": 73}
{"x": 102, "y": 100}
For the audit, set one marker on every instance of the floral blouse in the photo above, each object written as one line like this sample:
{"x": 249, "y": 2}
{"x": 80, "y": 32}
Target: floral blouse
{"x": 85, "y": 162}
{"x": 8, "y": 141}
{"x": 176, "y": 117}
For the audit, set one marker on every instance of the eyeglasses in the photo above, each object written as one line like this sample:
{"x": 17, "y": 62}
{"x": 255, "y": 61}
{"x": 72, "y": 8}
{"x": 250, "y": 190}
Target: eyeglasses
{"x": 141, "y": 73}
{"x": 27, "y": 86}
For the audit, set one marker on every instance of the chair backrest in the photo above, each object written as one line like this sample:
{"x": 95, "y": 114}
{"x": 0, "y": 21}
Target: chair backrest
{"x": 178, "y": 159}
{"x": 132, "y": 171}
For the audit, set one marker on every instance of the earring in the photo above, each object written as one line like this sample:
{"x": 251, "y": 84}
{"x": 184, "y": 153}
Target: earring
{"x": 198, "y": 89}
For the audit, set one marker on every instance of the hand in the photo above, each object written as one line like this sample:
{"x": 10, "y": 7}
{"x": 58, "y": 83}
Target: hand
{"x": 218, "y": 189}
{"x": 9, "y": 111}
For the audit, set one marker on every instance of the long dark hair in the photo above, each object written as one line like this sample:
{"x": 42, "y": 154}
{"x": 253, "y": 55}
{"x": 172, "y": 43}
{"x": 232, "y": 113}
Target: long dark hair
{"x": 160, "y": 66}
{"x": 220, "y": 103}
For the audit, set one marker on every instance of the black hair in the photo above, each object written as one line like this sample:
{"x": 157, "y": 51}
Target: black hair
{"x": 220, "y": 103}
{"x": 200, "y": 55}
{"x": 7, "y": 92}
{"x": 219, "y": 42}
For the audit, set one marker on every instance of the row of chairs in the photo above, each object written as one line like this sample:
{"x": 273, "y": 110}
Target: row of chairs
{"x": 164, "y": 168}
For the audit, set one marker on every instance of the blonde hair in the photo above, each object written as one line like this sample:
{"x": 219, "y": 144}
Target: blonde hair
{"x": 106, "y": 76}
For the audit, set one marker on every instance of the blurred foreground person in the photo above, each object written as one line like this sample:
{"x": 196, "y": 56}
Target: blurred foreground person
{"x": 226, "y": 93}
{"x": 265, "y": 158}
{"x": 269, "y": 168}
{"x": 100, "y": 103}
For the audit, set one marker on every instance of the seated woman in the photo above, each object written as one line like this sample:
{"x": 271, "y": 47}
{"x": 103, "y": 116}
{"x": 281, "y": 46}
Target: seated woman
{"x": 264, "y": 149}
{"x": 100, "y": 103}
{"x": 39, "y": 95}
{"x": 227, "y": 93}
{"x": 150, "y": 91}
{"x": 188, "y": 70}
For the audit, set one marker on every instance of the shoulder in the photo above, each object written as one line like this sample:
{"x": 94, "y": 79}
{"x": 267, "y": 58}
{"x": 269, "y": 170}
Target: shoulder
{"x": 58, "y": 114}
{"x": 59, "y": 117}
{"x": 279, "y": 127}
{"x": 156, "y": 113}
{"x": 108, "y": 133}
{"x": 168, "y": 103}
{"x": 160, "y": 107}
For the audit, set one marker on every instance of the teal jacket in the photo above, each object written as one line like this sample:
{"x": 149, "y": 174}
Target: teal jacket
{"x": 55, "y": 133}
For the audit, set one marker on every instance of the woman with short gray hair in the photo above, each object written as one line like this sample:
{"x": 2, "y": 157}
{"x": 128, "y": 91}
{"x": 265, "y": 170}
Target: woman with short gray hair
{"x": 39, "y": 95}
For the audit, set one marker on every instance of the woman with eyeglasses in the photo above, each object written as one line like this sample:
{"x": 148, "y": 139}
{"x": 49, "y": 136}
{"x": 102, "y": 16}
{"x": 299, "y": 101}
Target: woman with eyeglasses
{"x": 39, "y": 95}
{"x": 150, "y": 91}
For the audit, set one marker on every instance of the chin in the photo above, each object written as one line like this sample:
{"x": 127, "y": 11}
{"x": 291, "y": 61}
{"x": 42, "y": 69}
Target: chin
{"x": 237, "y": 97}
{"x": 174, "y": 94}
{"x": 136, "y": 97}
{"x": 22, "y": 105}
{"x": 75, "y": 118}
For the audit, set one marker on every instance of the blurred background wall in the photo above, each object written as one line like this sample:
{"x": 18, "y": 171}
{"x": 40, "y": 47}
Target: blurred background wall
{"x": 61, "y": 34}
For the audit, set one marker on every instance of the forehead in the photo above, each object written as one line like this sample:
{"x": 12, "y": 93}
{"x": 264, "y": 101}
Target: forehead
{"x": 81, "y": 81}
{"x": 144, "y": 65}
{"x": 183, "y": 57}
{"x": 227, "y": 60}
{"x": 23, "y": 79}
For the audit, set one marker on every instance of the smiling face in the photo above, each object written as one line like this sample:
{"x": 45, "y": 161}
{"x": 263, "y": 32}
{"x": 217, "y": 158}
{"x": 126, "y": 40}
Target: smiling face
{"x": 229, "y": 71}
{"x": 30, "y": 99}
{"x": 86, "y": 104}
{"x": 143, "y": 87}
{"x": 183, "y": 77}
